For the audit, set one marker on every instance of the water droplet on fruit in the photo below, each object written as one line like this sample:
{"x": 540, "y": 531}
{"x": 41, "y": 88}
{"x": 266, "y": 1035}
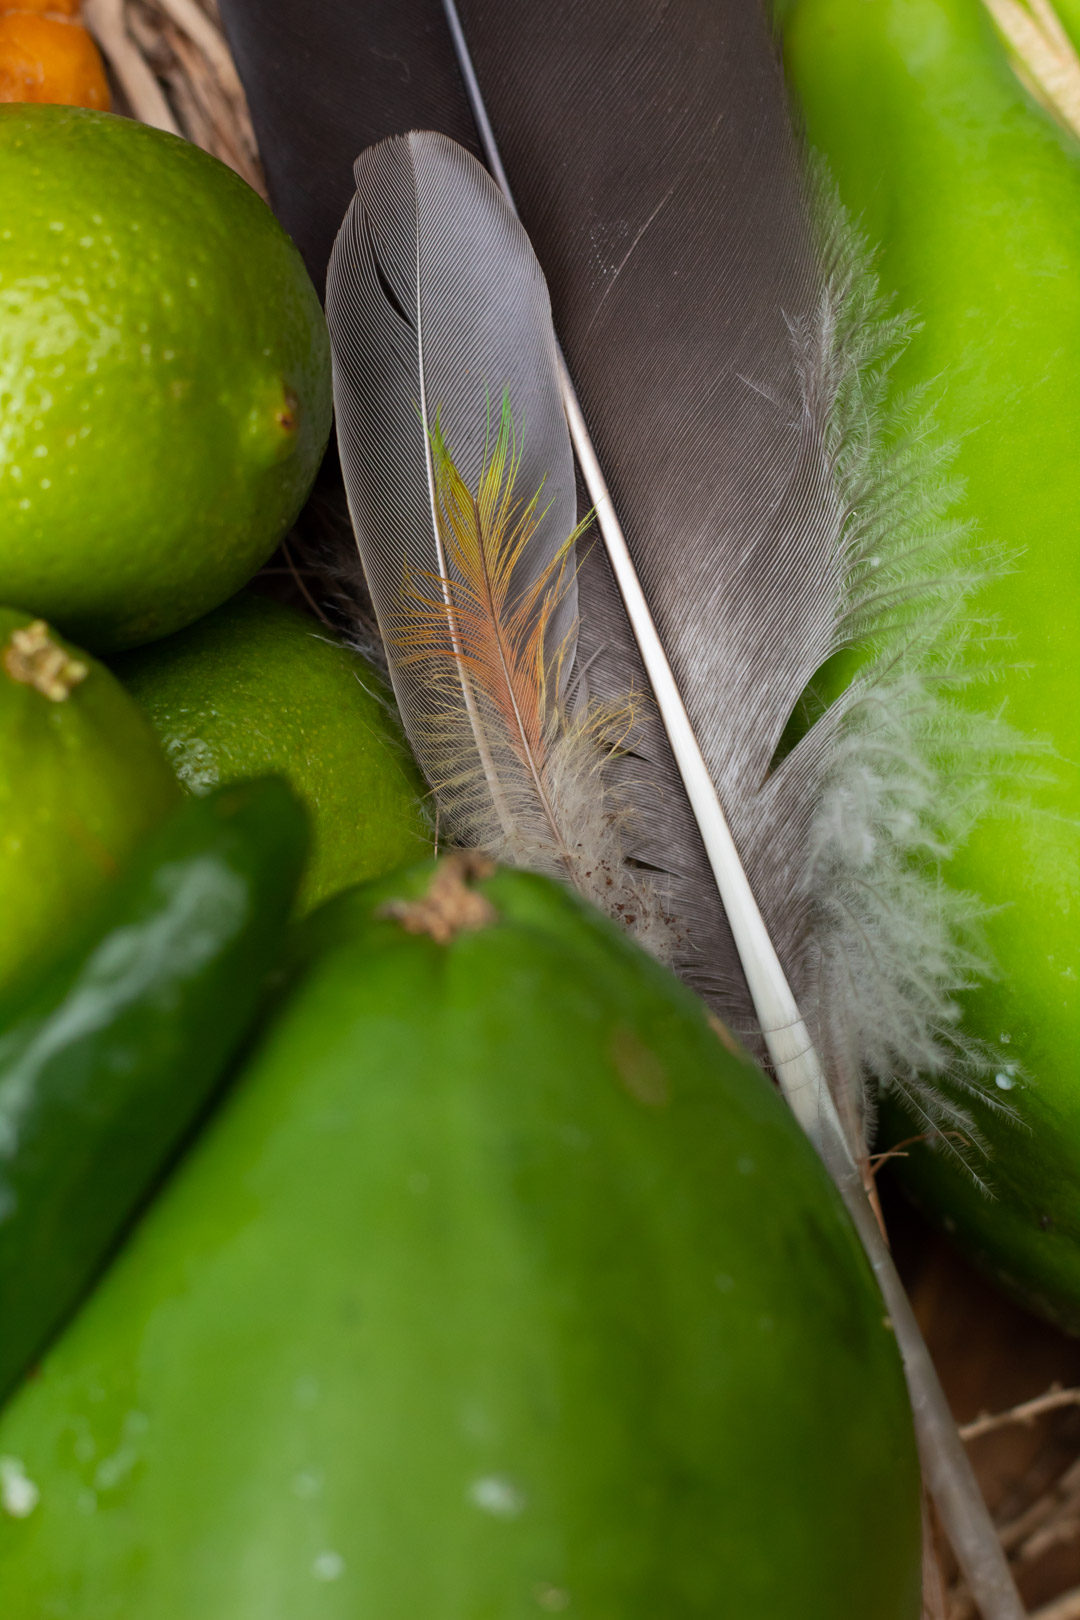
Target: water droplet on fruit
{"x": 497, "y": 1495}
{"x": 328, "y": 1566}
{"x": 19, "y": 1496}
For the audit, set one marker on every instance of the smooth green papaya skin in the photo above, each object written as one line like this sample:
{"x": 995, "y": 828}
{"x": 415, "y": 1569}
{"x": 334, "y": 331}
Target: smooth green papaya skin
{"x": 257, "y": 687}
{"x": 973, "y": 193}
{"x": 499, "y": 1286}
{"x": 82, "y": 780}
{"x": 111, "y": 1059}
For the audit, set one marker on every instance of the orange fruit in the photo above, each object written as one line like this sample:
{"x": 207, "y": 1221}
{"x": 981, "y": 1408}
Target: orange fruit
{"x": 47, "y": 56}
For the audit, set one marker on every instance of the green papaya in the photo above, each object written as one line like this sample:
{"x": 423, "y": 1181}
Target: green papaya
{"x": 972, "y": 192}
{"x": 256, "y": 687}
{"x": 82, "y": 779}
{"x": 499, "y": 1286}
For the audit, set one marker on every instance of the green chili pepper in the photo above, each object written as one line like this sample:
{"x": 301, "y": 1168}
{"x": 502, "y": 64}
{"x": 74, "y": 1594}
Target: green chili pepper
{"x": 115, "y": 1053}
{"x": 972, "y": 191}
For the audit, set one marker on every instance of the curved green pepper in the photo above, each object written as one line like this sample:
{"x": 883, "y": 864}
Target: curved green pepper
{"x": 498, "y": 1287}
{"x": 973, "y": 193}
{"x": 116, "y": 1052}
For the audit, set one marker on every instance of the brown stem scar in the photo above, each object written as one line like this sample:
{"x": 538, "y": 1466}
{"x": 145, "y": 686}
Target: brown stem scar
{"x": 449, "y": 907}
{"x": 289, "y": 413}
{"x": 33, "y": 658}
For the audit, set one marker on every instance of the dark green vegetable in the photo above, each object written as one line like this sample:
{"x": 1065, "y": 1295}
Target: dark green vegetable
{"x": 498, "y": 1287}
{"x": 110, "y": 1060}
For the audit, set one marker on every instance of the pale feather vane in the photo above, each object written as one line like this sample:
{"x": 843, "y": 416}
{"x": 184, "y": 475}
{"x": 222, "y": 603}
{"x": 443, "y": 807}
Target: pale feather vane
{"x": 464, "y": 511}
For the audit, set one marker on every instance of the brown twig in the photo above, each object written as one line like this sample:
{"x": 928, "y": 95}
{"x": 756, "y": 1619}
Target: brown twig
{"x": 899, "y": 1151}
{"x": 935, "y": 1602}
{"x": 1062, "y": 1608}
{"x": 107, "y": 20}
{"x": 298, "y": 581}
{"x": 1018, "y": 1531}
{"x": 1026, "y": 1412}
{"x": 172, "y": 64}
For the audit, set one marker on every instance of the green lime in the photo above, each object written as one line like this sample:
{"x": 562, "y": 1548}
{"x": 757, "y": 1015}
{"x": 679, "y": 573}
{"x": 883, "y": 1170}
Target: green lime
{"x": 164, "y": 376}
{"x": 256, "y": 687}
{"x": 82, "y": 778}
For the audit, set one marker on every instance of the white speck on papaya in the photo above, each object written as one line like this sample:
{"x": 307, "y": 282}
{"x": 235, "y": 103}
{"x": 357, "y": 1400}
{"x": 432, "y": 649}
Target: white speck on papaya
{"x": 328, "y": 1566}
{"x": 85, "y": 1447}
{"x": 112, "y": 1471}
{"x": 307, "y": 1484}
{"x": 554, "y": 1599}
{"x": 306, "y": 1392}
{"x": 497, "y": 1495}
{"x": 19, "y": 1496}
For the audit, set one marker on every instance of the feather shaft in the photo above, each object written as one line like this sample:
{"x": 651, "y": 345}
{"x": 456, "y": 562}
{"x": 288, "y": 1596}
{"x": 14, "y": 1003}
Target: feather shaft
{"x": 791, "y": 1049}
{"x": 498, "y": 796}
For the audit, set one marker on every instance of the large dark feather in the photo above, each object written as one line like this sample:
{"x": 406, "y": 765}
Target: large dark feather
{"x": 679, "y": 260}
{"x": 324, "y": 80}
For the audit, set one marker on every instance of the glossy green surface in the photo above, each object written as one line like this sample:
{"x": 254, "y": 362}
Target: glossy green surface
{"x": 81, "y": 782}
{"x": 973, "y": 194}
{"x": 107, "y": 1065}
{"x": 257, "y": 687}
{"x": 164, "y": 376}
{"x": 498, "y": 1287}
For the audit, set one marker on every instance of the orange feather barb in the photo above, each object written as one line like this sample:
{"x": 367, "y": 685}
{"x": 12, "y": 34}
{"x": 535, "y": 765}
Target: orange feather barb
{"x": 502, "y": 728}
{"x": 494, "y": 636}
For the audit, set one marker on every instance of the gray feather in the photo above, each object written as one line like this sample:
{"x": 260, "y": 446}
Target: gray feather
{"x": 438, "y": 311}
{"x": 438, "y": 308}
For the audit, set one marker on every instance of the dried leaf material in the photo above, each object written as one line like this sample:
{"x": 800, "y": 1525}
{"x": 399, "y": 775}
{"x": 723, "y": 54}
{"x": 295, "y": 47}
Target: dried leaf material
{"x": 1043, "y": 55}
{"x": 467, "y": 526}
{"x": 175, "y": 71}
